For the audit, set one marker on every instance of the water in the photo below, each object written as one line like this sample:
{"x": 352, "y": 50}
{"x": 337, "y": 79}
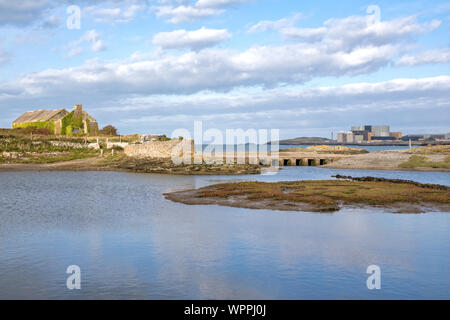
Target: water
{"x": 131, "y": 243}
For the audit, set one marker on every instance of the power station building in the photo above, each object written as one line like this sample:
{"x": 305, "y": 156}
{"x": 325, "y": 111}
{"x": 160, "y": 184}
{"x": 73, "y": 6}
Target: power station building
{"x": 368, "y": 133}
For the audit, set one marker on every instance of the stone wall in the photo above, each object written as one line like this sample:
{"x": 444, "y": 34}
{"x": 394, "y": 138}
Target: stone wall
{"x": 110, "y": 145}
{"x": 78, "y": 111}
{"x": 58, "y": 126}
{"x": 161, "y": 149}
{"x": 93, "y": 128}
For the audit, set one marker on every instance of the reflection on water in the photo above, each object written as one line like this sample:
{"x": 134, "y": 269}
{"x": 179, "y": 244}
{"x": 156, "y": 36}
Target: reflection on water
{"x": 132, "y": 243}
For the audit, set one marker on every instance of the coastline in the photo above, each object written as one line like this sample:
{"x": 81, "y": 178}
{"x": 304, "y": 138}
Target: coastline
{"x": 157, "y": 166}
{"x": 357, "y": 162}
{"x": 387, "y": 160}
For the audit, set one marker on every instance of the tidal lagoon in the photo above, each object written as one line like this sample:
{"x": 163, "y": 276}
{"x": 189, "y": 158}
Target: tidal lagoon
{"x": 132, "y": 243}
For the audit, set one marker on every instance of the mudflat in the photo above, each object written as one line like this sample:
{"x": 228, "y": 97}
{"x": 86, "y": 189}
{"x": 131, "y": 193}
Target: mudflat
{"x": 397, "y": 196}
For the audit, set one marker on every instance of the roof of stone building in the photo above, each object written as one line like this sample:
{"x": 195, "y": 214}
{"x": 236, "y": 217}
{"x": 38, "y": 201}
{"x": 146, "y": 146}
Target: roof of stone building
{"x": 47, "y": 115}
{"x": 41, "y": 115}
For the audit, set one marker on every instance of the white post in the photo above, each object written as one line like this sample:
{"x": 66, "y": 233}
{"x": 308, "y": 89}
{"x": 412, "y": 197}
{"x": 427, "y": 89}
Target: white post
{"x": 410, "y": 144}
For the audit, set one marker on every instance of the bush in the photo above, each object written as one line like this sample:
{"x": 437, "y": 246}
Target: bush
{"x": 109, "y": 130}
{"x": 164, "y": 138}
{"x": 118, "y": 148}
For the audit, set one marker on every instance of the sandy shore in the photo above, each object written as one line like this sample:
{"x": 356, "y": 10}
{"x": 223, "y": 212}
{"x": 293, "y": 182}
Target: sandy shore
{"x": 383, "y": 160}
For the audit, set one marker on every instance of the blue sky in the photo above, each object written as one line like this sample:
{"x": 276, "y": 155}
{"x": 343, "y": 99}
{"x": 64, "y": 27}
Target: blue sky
{"x": 304, "y": 68}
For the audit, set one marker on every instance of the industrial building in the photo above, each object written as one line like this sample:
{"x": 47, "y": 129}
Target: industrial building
{"x": 368, "y": 133}
{"x": 427, "y": 137}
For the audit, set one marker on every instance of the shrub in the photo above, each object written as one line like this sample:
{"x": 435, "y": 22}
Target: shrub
{"x": 109, "y": 130}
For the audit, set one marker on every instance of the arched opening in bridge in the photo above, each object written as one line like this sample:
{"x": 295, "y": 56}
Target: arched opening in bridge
{"x": 286, "y": 162}
{"x": 298, "y": 162}
{"x": 311, "y": 162}
{"x": 323, "y": 162}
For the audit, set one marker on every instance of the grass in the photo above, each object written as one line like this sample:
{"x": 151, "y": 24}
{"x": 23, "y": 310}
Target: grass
{"x": 16, "y": 147}
{"x": 440, "y": 149}
{"x": 422, "y": 162}
{"x": 78, "y": 138}
{"x": 59, "y": 157}
{"x": 327, "y": 195}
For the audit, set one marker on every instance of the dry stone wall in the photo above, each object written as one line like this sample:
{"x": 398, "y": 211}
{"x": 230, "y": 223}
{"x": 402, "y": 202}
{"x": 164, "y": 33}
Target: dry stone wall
{"x": 161, "y": 149}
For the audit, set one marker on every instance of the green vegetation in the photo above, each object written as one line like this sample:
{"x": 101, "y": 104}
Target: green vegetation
{"x": 422, "y": 162}
{"x": 17, "y": 146}
{"x": 109, "y": 130}
{"x": 164, "y": 138}
{"x": 70, "y": 124}
{"x": 50, "y": 125}
{"x": 439, "y": 149}
{"x": 328, "y": 195}
{"x": 59, "y": 157}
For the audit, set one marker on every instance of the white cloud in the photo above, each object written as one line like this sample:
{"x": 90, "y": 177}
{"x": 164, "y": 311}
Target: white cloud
{"x": 91, "y": 37}
{"x": 362, "y": 50}
{"x": 332, "y": 97}
{"x": 182, "y": 14}
{"x": 75, "y": 51}
{"x": 24, "y": 12}
{"x": 210, "y": 69}
{"x": 195, "y": 40}
{"x": 122, "y": 14}
{"x": 427, "y": 57}
{"x": 269, "y": 25}
{"x": 341, "y": 34}
{"x": 218, "y": 3}
{"x": 292, "y": 109}
{"x": 188, "y": 11}
{"x": 27, "y": 12}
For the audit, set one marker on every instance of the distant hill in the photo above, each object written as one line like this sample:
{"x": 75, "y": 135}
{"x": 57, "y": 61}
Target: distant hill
{"x": 307, "y": 141}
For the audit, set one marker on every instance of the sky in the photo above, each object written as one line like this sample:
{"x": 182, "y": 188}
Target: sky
{"x": 308, "y": 69}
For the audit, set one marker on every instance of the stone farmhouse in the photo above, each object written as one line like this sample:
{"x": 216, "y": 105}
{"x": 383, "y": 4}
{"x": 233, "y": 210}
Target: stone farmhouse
{"x": 60, "y": 121}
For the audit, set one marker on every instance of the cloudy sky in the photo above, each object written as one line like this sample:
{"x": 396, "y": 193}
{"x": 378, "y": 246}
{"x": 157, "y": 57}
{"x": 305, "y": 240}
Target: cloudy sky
{"x": 155, "y": 66}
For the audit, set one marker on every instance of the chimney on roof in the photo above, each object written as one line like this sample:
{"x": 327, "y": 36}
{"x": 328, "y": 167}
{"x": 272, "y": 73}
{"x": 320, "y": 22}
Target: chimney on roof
{"x": 78, "y": 111}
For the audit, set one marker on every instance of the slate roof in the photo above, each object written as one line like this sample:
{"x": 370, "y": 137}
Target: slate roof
{"x": 41, "y": 115}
